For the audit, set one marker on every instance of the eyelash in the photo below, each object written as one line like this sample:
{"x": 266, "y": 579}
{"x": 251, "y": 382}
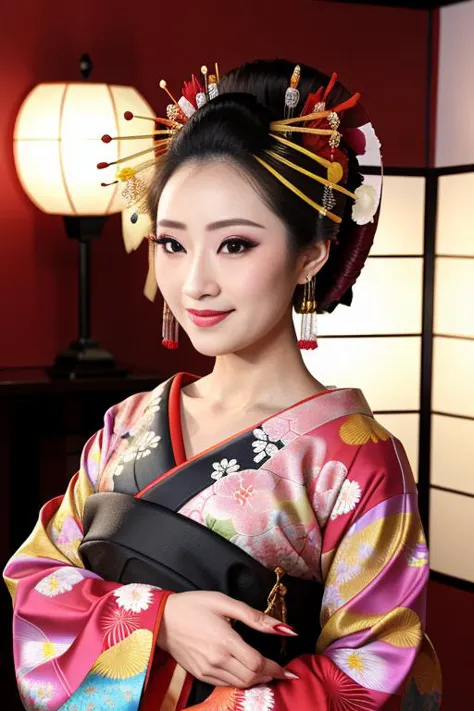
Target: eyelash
{"x": 239, "y": 240}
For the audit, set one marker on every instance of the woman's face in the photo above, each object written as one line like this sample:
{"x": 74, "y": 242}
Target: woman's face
{"x": 225, "y": 250}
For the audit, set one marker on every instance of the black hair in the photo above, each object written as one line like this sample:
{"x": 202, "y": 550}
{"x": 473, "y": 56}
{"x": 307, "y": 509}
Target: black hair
{"x": 235, "y": 126}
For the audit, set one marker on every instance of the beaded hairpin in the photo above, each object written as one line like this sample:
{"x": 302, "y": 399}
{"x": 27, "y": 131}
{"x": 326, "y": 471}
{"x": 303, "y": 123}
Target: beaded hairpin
{"x": 194, "y": 95}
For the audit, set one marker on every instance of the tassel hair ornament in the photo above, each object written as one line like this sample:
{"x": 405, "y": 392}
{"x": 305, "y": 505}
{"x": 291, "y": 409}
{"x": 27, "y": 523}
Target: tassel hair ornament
{"x": 309, "y": 329}
{"x": 316, "y": 133}
{"x": 170, "y": 329}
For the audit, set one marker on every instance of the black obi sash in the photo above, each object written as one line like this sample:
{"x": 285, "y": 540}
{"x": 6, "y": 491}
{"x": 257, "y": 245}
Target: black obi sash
{"x": 129, "y": 540}
{"x": 135, "y": 535}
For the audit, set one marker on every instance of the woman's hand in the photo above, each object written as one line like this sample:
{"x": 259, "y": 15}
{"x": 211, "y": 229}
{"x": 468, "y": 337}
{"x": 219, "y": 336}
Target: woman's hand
{"x": 197, "y": 633}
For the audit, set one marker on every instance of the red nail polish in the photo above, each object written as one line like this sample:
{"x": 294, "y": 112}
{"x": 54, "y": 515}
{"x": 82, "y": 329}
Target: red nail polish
{"x": 285, "y": 629}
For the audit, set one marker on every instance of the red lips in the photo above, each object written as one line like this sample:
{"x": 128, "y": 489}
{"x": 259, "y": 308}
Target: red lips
{"x": 206, "y": 312}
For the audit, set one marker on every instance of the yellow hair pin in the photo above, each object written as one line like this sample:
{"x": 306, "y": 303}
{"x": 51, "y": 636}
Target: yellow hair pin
{"x": 294, "y": 189}
{"x": 331, "y": 183}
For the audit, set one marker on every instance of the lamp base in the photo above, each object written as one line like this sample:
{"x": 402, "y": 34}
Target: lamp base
{"x": 85, "y": 359}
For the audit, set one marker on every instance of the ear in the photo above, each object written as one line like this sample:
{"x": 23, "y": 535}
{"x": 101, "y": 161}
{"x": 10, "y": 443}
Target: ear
{"x": 313, "y": 259}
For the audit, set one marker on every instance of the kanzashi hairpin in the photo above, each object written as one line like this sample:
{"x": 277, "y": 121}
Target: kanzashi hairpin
{"x": 319, "y": 122}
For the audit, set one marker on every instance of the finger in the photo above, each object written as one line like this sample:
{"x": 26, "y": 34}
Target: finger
{"x": 258, "y": 620}
{"x": 221, "y": 677}
{"x": 247, "y": 677}
{"x": 254, "y": 661}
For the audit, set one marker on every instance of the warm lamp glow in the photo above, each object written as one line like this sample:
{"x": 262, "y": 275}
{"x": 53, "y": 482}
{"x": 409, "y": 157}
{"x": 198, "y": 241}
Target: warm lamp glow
{"x": 57, "y": 144}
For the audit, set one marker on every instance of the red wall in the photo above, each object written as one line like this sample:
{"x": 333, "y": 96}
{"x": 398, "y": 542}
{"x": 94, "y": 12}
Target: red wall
{"x": 380, "y": 52}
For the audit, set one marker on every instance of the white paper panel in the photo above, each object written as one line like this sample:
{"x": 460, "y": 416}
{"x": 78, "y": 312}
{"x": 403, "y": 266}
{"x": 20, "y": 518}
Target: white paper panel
{"x": 455, "y": 99}
{"x": 454, "y": 297}
{"x": 406, "y": 429}
{"x": 451, "y": 534}
{"x": 454, "y": 228}
{"x": 387, "y": 370}
{"x": 379, "y": 304}
{"x": 452, "y": 453}
{"x": 453, "y": 376}
{"x": 400, "y": 229}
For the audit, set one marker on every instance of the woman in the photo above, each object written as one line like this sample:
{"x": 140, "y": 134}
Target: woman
{"x": 249, "y": 539}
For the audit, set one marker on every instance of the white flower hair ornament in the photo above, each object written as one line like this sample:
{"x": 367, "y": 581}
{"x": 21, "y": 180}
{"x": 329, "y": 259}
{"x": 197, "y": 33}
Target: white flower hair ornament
{"x": 326, "y": 135}
{"x": 365, "y": 205}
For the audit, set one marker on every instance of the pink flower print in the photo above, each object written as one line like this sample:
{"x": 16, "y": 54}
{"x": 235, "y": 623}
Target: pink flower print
{"x": 299, "y": 461}
{"x": 306, "y": 541}
{"x": 325, "y": 489}
{"x": 258, "y": 698}
{"x": 194, "y": 508}
{"x": 275, "y": 428}
{"x": 286, "y": 490}
{"x": 312, "y": 551}
{"x": 273, "y": 549}
{"x": 247, "y": 498}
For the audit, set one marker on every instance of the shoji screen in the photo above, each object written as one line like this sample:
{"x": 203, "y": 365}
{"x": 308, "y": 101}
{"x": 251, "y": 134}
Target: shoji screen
{"x": 375, "y": 344}
{"x": 452, "y": 440}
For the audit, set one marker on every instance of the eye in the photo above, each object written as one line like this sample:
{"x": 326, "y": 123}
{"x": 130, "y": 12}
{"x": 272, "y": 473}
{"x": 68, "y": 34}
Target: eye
{"x": 164, "y": 241}
{"x": 236, "y": 245}
{"x": 245, "y": 243}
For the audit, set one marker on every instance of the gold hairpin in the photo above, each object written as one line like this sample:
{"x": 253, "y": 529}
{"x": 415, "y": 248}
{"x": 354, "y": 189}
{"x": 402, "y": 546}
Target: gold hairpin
{"x": 302, "y": 129}
{"x": 293, "y": 188}
{"x": 331, "y": 183}
{"x": 322, "y": 161}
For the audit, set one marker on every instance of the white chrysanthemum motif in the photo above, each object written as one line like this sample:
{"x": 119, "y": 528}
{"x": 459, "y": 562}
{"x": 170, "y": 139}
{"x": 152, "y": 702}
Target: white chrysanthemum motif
{"x": 145, "y": 443}
{"x": 154, "y": 404}
{"x": 35, "y": 652}
{"x": 134, "y": 597}
{"x": 262, "y": 446}
{"x": 259, "y": 698}
{"x": 119, "y": 469}
{"x": 364, "y": 666}
{"x": 35, "y": 694}
{"x": 348, "y": 498}
{"x": 365, "y": 205}
{"x": 332, "y": 599}
{"x": 345, "y": 572}
{"x": 145, "y": 422}
{"x": 365, "y": 551}
{"x": 224, "y": 467}
{"x": 59, "y": 582}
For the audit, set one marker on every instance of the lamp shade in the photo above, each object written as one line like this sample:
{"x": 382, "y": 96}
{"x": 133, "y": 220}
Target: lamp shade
{"x": 57, "y": 145}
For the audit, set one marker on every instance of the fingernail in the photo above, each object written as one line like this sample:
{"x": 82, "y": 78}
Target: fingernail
{"x": 285, "y": 629}
{"x": 290, "y": 675}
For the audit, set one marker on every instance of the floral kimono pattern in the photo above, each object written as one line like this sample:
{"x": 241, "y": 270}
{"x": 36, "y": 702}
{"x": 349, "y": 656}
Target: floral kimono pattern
{"x": 319, "y": 489}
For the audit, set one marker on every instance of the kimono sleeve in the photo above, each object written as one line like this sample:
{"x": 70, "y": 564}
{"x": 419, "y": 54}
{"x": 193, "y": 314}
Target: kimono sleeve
{"x": 372, "y": 652}
{"x": 79, "y": 642}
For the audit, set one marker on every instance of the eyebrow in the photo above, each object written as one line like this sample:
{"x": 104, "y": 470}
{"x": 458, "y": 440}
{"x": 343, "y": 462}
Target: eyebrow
{"x": 213, "y": 225}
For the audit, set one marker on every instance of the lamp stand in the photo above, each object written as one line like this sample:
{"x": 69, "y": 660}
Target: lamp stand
{"x": 84, "y": 358}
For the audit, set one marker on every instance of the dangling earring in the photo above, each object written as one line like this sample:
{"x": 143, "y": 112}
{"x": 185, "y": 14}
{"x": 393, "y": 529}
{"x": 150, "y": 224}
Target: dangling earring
{"x": 309, "y": 327}
{"x": 169, "y": 330}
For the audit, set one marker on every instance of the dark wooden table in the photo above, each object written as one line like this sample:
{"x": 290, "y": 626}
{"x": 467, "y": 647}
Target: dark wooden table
{"x": 44, "y": 424}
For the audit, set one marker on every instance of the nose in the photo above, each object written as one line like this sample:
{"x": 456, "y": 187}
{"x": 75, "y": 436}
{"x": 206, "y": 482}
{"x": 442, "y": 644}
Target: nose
{"x": 200, "y": 279}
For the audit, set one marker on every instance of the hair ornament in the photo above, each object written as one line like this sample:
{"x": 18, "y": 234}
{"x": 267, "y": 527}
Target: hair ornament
{"x": 292, "y": 95}
{"x": 322, "y": 130}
